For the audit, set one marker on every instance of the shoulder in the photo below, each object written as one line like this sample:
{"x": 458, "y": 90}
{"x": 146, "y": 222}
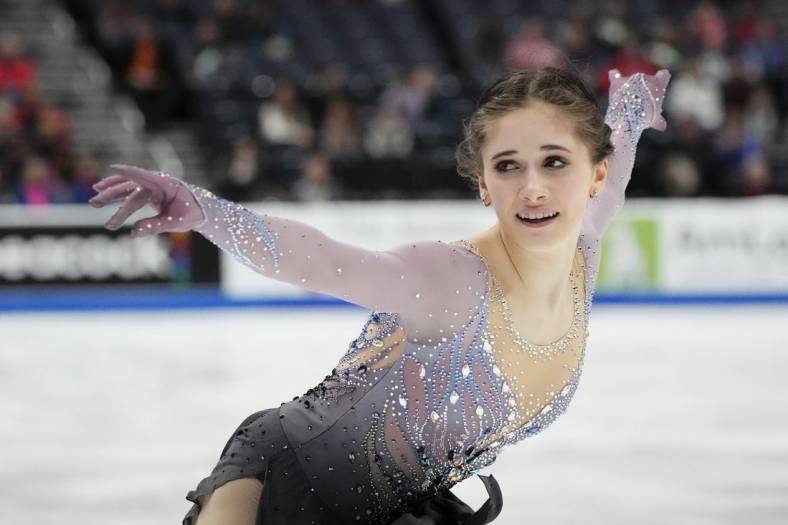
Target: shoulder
{"x": 437, "y": 252}
{"x": 451, "y": 285}
{"x": 443, "y": 264}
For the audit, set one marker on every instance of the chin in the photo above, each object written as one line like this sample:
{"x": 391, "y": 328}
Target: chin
{"x": 546, "y": 238}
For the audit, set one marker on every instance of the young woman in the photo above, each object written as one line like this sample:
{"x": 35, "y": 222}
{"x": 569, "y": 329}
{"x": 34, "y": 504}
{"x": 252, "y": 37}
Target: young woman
{"x": 471, "y": 345}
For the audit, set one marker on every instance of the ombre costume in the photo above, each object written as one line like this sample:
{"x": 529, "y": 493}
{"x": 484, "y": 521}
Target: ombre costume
{"x": 437, "y": 383}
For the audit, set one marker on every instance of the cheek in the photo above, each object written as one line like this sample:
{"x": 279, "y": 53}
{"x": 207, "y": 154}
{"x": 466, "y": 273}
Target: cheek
{"x": 499, "y": 187}
{"x": 576, "y": 199}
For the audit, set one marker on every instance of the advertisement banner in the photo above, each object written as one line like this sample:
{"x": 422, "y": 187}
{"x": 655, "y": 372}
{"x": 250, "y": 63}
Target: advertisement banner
{"x": 76, "y": 256}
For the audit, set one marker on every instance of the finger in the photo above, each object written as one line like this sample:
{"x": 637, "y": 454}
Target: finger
{"x": 152, "y": 180}
{"x": 113, "y": 193}
{"x": 151, "y": 226}
{"x": 107, "y": 182}
{"x": 663, "y": 75}
{"x": 146, "y": 178}
{"x": 137, "y": 200}
{"x": 616, "y": 79}
{"x": 658, "y": 83}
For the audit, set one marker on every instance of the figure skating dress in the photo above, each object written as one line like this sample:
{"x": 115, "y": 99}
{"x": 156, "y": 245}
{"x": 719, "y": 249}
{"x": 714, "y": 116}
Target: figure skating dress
{"x": 438, "y": 382}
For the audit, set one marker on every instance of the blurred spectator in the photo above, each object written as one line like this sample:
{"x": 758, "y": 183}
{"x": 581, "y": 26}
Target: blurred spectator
{"x": 28, "y": 105}
{"x": 330, "y": 83}
{"x": 574, "y": 34}
{"x": 746, "y": 17}
{"x": 237, "y": 52}
{"x": 694, "y": 96}
{"x": 263, "y": 20}
{"x": 707, "y": 33}
{"x": 316, "y": 182}
{"x": 283, "y": 120}
{"x": 736, "y": 90}
{"x": 333, "y": 79}
{"x": 706, "y": 25}
{"x": 340, "y": 136}
{"x": 762, "y": 50}
{"x": 36, "y": 146}
{"x": 761, "y": 118}
{"x": 232, "y": 21}
{"x": 151, "y": 73}
{"x": 490, "y": 47}
{"x": 175, "y": 18}
{"x": 628, "y": 59}
{"x": 688, "y": 154}
{"x": 11, "y": 150}
{"x": 87, "y": 172}
{"x": 45, "y": 130}
{"x": 612, "y": 28}
{"x": 115, "y": 23}
{"x": 770, "y": 44}
{"x": 53, "y": 138}
{"x": 411, "y": 98}
{"x": 16, "y": 71}
{"x": 532, "y": 48}
{"x": 388, "y": 135}
{"x": 242, "y": 172}
{"x": 41, "y": 184}
{"x": 680, "y": 176}
{"x": 206, "y": 56}
{"x": 740, "y": 157}
{"x": 664, "y": 49}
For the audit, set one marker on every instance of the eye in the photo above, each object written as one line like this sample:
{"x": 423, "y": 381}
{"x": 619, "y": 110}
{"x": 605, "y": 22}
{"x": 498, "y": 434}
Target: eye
{"x": 553, "y": 159}
{"x": 500, "y": 167}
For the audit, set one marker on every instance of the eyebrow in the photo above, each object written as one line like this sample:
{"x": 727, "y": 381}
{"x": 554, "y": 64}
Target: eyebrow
{"x": 544, "y": 147}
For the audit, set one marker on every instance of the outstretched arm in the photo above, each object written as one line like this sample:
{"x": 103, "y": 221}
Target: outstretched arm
{"x": 413, "y": 279}
{"x": 635, "y": 104}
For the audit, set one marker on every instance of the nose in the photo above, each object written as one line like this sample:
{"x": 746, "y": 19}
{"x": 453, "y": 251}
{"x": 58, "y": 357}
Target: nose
{"x": 533, "y": 187}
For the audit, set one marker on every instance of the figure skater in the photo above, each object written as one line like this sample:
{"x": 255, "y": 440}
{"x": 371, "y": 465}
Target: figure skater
{"x": 471, "y": 345}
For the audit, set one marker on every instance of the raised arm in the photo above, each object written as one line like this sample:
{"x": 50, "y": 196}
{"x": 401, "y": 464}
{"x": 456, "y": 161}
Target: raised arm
{"x": 431, "y": 284}
{"x": 635, "y": 104}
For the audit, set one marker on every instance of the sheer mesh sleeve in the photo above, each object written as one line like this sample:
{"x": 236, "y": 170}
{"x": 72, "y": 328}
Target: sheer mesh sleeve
{"x": 635, "y": 104}
{"x": 432, "y": 285}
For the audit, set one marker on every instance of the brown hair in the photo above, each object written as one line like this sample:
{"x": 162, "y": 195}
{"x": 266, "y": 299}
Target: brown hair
{"x": 513, "y": 91}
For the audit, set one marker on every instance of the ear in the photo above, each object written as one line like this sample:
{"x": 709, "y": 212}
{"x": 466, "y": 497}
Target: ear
{"x": 600, "y": 176}
{"x": 482, "y": 184}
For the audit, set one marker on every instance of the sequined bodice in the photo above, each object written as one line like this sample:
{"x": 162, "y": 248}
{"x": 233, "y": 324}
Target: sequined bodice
{"x": 429, "y": 415}
{"x": 534, "y": 375}
{"x": 438, "y": 380}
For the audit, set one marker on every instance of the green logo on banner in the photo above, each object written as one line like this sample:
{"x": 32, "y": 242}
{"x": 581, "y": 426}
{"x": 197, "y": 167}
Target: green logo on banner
{"x": 629, "y": 256}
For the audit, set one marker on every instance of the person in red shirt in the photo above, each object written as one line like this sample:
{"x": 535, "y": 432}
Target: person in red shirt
{"x": 16, "y": 71}
{"x": 628, "y": 60}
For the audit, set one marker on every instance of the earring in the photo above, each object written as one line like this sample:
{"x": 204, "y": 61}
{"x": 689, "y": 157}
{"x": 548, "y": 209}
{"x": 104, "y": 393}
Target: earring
{"x": 593, "y": 194}
{"x": 484, "y": 198}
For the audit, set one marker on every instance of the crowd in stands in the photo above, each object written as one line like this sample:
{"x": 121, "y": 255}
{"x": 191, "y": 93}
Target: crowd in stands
{"x": 330, "y": 99}
{"x": 38, "y": 163}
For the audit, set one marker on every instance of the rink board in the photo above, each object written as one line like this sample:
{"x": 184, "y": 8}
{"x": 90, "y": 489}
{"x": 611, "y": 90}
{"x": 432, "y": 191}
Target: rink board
{"x": 655, "y": 251}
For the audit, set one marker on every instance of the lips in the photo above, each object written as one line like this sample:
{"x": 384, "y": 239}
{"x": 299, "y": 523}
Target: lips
{"x": 536, "y": 214}
{"x": 538, "y": 222}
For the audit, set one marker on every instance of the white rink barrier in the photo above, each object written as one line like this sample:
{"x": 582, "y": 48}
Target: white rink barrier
{"x": 655, "y": 250}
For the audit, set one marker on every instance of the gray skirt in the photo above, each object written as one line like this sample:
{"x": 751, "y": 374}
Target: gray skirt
{"x": 260, "y": 449}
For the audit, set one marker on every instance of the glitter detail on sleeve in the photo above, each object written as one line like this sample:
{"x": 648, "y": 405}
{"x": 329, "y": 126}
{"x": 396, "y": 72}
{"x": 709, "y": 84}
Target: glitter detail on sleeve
{"x": 433, "y": 286}
{"x": 635, "y": 104}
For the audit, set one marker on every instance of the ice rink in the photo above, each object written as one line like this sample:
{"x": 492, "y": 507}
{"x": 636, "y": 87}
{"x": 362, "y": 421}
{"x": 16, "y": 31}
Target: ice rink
{"x": 681, "y": 416}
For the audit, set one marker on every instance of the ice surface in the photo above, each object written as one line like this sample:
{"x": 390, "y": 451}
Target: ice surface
{"x": 681, "y": 416}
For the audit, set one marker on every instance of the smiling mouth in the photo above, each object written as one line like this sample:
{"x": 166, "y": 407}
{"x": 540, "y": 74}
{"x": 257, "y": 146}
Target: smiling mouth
{"x": 537, "y": 221}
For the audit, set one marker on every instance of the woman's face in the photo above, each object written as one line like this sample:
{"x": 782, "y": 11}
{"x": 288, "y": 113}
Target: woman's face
{"x": 533, "y": 162}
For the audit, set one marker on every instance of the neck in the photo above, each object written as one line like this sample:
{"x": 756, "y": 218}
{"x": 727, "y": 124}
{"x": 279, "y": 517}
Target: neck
{"x": 541, "y": 275}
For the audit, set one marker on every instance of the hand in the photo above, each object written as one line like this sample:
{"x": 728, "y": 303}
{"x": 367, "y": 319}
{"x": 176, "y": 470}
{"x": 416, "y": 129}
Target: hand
{"x": 651, "y": 87}
{"x": 175, "y": 205}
